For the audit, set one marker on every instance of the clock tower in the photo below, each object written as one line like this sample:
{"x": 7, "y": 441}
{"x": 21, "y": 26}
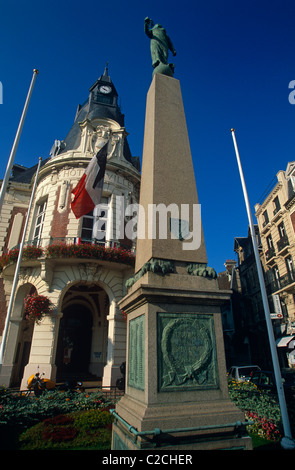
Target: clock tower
{"x": 103, "y": 90}
{"x": 100, "y": 113}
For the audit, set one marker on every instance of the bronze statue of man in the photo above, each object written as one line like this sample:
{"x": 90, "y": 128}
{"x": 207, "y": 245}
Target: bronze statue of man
{"x": 160, "y": 46}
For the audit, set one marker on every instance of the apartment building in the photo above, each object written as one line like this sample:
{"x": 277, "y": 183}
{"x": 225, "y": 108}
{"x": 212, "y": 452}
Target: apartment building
{"x": 276, "y": 221}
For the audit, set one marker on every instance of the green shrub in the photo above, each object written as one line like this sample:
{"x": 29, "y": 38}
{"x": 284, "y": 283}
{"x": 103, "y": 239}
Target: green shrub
{"x": 55, "y": 419}
{"x": 21, "y": 410}
{"x": 32, "y": 439}
{"x": 260, "y": 407}
{"x": 79, "y": 430}
{"x": 91, "y": 419}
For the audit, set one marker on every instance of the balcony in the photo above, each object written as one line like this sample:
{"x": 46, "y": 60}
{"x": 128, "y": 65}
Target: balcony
{"x": 44, "y": 243}
{"x": 287, "y": 281}
{"x": 277, "y": 210}
{"x": 269, "y": 254}
{"x": 283, "y": 243}
{"x": 283, "y": 283}
{"x": 50, "y": 250}
{"x": 265, "y": 226}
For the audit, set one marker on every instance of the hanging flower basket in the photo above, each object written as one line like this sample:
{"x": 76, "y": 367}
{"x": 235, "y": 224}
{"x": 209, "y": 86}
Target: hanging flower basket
{"x": 36, "y": 307}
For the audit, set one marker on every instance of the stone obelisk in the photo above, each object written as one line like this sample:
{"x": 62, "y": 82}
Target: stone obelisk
{"x": 176, "y": 393}
{"x": 168, "y": 194}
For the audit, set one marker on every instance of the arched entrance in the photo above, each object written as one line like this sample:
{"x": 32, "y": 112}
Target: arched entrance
{"x": 74, "y": 342}
{"x": 83, "y": 331}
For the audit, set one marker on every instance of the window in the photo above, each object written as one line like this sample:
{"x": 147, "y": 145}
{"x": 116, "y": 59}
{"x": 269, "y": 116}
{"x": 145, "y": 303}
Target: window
{"x": 276, "y": 276}
{"x": 269, "y": 242}
{"x": 270, "y": 253}
{"x": 266, "y": 219}
{"x": 282, "y": 231}
{"x": 94, "y": 224}
{"x": 283, "y": 241}
{"x": 277, "y": 205}
{"x": 41, "y": 209}
{"x": 87, "y": 225}
{"x": 290, "y": 270}
{"x": 100, "y": 222}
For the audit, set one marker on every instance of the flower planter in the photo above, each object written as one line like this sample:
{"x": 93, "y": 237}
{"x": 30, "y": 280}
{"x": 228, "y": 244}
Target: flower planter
{"x": 36, "y": 307}
{"x": 63, "y": 250}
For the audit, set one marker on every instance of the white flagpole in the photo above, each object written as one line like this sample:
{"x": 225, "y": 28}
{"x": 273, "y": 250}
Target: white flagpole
{"x": 16, "y": 140}
{"x": 287, "y": 441}
{"x": 19, "y": 259}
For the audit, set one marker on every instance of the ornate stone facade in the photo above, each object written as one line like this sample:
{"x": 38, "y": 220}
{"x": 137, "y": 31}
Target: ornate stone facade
{"x": 86, "y": 331}
{"x": 276, "y": 216}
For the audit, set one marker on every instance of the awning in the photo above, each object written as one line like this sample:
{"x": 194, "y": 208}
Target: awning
{"x": 284, "y": 341}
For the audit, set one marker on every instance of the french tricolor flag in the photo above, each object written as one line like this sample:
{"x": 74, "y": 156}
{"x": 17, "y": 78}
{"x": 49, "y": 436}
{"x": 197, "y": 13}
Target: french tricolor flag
{"x": 87, "y": 193}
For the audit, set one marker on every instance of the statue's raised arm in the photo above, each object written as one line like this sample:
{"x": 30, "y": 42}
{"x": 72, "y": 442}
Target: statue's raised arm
{"x": 160, "y": 46}
{"x": 147, "y": 30}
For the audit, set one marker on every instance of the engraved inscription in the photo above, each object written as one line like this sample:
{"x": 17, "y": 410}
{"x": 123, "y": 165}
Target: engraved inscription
{"x": 136, "y": 352}
{"x": 186, "y": 352}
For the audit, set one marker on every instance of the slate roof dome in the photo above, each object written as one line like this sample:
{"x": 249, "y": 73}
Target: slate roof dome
{"x": 102, "y": 103}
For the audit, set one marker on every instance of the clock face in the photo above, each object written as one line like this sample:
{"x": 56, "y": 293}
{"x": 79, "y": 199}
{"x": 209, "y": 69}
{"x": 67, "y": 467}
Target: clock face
{"x": 105, "y": 89}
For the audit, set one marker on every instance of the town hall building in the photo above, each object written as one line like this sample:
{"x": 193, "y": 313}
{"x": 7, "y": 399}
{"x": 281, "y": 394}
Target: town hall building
{"x": 80, "y": 265}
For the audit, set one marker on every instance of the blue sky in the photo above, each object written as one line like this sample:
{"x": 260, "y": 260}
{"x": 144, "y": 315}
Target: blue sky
{"x": 235, "y": 60}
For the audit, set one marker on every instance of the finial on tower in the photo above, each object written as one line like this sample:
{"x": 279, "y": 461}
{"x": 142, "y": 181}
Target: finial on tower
{"x": 106, "y": 70}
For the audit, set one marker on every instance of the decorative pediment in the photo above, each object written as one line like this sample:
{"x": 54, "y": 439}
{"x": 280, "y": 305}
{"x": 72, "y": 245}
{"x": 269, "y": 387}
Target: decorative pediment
{"x": 93, "y": 135}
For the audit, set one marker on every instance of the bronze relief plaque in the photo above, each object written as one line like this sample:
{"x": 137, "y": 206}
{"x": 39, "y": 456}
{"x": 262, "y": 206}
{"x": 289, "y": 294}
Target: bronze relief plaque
{"x": 137, "y": 353}
{"x": 186, "y": 352}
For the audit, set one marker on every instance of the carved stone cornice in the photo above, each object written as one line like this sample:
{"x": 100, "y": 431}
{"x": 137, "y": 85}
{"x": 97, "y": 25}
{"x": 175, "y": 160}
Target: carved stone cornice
{"x": 274, "y": 191}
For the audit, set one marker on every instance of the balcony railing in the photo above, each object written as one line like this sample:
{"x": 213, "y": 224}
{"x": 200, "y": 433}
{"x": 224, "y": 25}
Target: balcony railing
{"x": 44, "y": 242}
{"x": 270, "y": 253}
{"x": 283, "y": 282}
{"x": 282, "y": 243}
{"x": 70, "y": 247}
{"x": 287, "y": 279}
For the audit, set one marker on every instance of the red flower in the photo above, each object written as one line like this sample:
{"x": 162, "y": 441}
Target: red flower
{"x": 29, "y": 252}
{"x": 124, "y": 315}
{"x": 36, "y": 306}
{"x": 88, "y": 250}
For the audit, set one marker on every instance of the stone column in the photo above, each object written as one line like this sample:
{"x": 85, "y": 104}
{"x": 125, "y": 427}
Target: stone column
{"x": 116, "y": 346}
{"x": 43, "y": 347}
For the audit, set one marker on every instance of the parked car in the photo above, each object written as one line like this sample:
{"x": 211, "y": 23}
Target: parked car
{"x": 242, "y": 373}
{"x": 265, "y": 380}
